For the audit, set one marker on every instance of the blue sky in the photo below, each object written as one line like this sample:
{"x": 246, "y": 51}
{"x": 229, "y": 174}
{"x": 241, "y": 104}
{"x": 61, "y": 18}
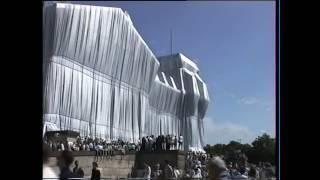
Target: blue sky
{"x": 233, "y": 43}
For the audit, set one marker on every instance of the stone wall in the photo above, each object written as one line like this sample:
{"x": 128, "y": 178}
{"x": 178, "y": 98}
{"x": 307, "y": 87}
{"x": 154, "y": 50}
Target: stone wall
{"x": 175, "y": 158}
{"x": 123, "y": 165}
{"x": 116, "y": 166}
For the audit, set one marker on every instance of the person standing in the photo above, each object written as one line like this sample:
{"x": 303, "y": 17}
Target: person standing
{"x": 150, "y": 142}
{"x": 252, "y": 173}
{"x": 176, "y": 172}
{"x": 180, "y": 142}
{"x": 54, "y": 146}
{"x": 171, "y": 142}
{"x": 175, "y": 143}
{"x": 197, "y": 174}
{"x": 147, "y": 171}
{"x": 95, "y": 174}
{"x": 78, "y": 170}
{"x": 168, "y": 171}
{"x": 153, "y": 143}
{"x": 217, "y": 169}
{"x": 163, "y": 143}
{"x": 158, "y": 144}
{"x": 168, "y": 142}
{"x": 157, "y": 173}
{"x": 62, "y": 146}
{"x": 64, "y": 161}
{"x": 143, "y": 145}
{"x": 91, "y": 146}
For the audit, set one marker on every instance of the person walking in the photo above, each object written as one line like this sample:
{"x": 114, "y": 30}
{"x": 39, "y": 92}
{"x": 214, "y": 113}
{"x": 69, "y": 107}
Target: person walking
{"x": 147, "y": 171}
{"x": 95, "y": 174}
{"x": 64, "y": 162}
{"x": 168, "y": 170}
{"x": 78, "y": 170}
{"x": 180, "y": 142}
{"x": 217, "y": 169}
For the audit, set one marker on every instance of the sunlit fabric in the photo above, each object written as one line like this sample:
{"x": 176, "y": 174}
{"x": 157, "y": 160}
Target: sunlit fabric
{"x": 102, "y": 80}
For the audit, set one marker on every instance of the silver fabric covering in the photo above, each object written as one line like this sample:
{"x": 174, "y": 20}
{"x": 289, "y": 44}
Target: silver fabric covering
{"x": 102, "y": 80}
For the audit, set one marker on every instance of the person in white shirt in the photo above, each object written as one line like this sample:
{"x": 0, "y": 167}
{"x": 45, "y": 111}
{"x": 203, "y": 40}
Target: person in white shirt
{"x": 50, "y": 145}
{"x": 47, "y": 171}
{"x": 176, "y": 172}
{"x": 62, "y": 146}
{"x": 180, "y": 142}
{"x": 197, "y": 174}
{"x": 150, "y": 140}
{"x": 70, "y": 144}
{"x": 91, "y": 146}
{"x": 147, "y": 171}
{"x": 171, "y": 142}
{"x": 75, "y": 147}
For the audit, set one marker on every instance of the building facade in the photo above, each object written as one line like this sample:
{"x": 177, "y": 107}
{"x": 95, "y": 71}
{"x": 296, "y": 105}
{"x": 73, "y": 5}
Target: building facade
{"x": 101, "y": 79}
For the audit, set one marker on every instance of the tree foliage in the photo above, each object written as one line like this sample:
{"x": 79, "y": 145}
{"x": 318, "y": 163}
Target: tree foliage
{"x": 262, "y": 149}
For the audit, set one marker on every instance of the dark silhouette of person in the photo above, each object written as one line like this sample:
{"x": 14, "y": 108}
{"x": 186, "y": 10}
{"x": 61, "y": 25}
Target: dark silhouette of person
{"x": 252, "y": 172}
{"x": 158, "y": 143}
{"x": 168, "y": 170}
{"x": 143, "y": 145}
{"x": 95, "y": 175}
{"x": 64, "y": 161}
{"x": 78, "y": 170}
{"x": 168, "y": 142}
{"x": 163, "y": 142}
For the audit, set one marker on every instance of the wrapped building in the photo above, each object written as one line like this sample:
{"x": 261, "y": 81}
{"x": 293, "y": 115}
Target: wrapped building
{"x": 101, "y": 79}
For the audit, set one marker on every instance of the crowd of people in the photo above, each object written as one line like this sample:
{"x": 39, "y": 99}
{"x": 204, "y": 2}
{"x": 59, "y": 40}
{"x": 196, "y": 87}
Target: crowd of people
{"x": 167, "y": 172}
{"x": 198, "y": 165}
{"x": 161, "y": 143}
{"x": 203, "y": 167}
{"x": 101, "y": 146}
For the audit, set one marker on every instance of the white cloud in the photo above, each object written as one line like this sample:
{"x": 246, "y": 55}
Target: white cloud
{"x": 224, "y": 132}
{"x": 267, "y": 132}
{"x": 248, "y": 100}
{"x": 263, "y": 131}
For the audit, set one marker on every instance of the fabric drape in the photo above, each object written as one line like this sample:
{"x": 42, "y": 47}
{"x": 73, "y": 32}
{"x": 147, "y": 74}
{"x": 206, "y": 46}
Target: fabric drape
{"x": 101, "y": 79}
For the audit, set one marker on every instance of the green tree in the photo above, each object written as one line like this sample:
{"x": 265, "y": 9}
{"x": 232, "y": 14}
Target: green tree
{"x": 263, "y": 150}
{"x": 217, "y": 149}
